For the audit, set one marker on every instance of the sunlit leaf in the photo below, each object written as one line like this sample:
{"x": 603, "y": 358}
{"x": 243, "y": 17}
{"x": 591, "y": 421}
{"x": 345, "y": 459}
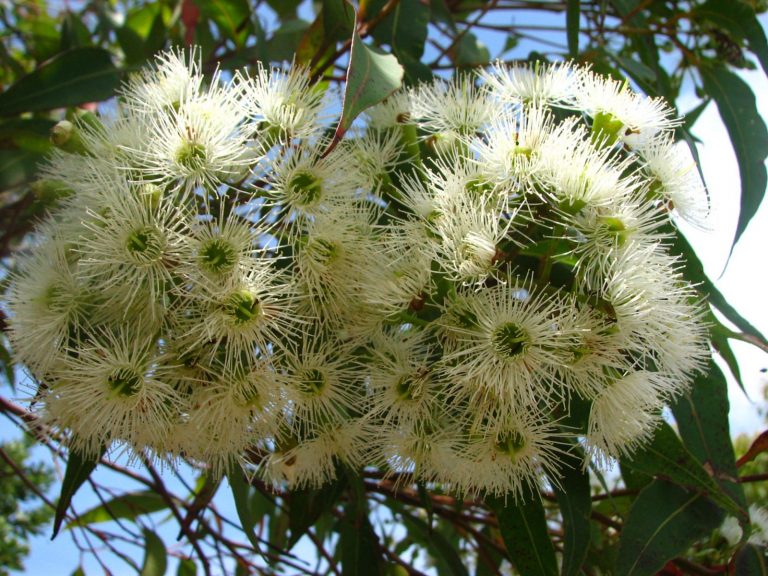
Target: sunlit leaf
{"x": 372, "y": 75}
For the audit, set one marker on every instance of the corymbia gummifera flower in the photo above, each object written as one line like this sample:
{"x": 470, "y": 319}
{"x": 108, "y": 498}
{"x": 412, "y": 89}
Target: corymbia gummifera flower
{"x": 433, "y": 297}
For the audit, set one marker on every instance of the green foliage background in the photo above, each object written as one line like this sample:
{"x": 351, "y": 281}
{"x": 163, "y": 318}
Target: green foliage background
{"x": 660, "y": 516}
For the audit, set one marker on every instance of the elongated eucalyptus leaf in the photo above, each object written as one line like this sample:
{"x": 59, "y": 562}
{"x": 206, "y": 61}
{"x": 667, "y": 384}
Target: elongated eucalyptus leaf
{"x": 241, "y": 494}
{"x": 665, "y": 457}
{"x": 749, "y": 137}
{"x": 572, "y": 21}
{"x": 233, "y": 17}
{"x": 187, "y": 567}
{"x": 749, "y": 560}
{"x": 663, "y": 522}
{"x": 644, "y": 45}
{"x": 372, "y": 75}
{"x": 702, "y": 419}
{"x": 338, "y": 20}
{"x": 127, "y": 506}
{"x": 446, "y": 557}
{"x": 307, "y": 505}
{"x": 404, "y": 29}
{"x": 523, "y": 527}
{"x": 155, "y": 555}
{"x": 359, "y": 544}
{"x": 573, "y": 493}
{"x": 71, "y": 78}
{"x": 79, "y": 468}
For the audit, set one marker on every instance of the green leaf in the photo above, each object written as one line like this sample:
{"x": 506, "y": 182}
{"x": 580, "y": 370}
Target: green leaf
{"x": 663, "y": 522}
{"x": 637, "y": 70}
{"x": 307, "y": 505}
{"x": 572, "y": 22}
{"x": 702, "y": 419}
{"x": 445, "y": 556}
{"x": 440, "y": 13}
{"x": 232, "y": 17}
{"x": 693, "y": 270}
{"x": 644, "y": 45}
{"x": 286, "y": 9}
{"x": 143, "y": 33}
{"x": 357, "y": 539}
{"x": 288, "y": 39}
{"x": 187, "y": 567}
{"x": 18, "y": 167}
{"x": 470, "y": 51}
{"x": 372, "y": 75}
{"x": 240, "y": 493}
{"x": 748, "y": 134}
{"x": 405, "y": 30}
{"x": 74, "y": 33}
{"x": 524, "y": 530}
{"x": 749, "y": 560}
{"x": 338, "y": 18}
{"x": 155, "y": 555}
{"x": 71, "y": 78}
{"x": 124, "y": 506}
{"x": 719, "y": 336}
{"x": 79, "y": 468}
{"x": 740, "y": 20}
{"x": 666, "y": 457}
{"x": 574, "y": 496}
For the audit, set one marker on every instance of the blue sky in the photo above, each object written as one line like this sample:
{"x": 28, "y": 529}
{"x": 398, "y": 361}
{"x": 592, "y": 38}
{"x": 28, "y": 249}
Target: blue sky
{"x": 743, "y": 283}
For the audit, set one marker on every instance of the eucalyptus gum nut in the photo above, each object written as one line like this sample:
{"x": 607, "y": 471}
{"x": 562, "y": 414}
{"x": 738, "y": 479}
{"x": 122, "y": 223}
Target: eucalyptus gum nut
{"x": 605, "y": 129}
{"x": 49, "y": 191}
{"x": 65, "y": 136}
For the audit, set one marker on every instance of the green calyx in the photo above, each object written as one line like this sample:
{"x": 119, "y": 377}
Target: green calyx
{"x": 522, "y": 151}
{"x": 478, "y": 187}
{"x": 191, "y": 155}
{"x": 510, "y": 340}
{"x": 410, "y": 386}
{"x": 245, "y": 395}
{"x": 217, "y": 256}
{"x": 306, "y": 188}
{"x": 125, "y": 382}
{"x": 145, "y": 244}
{"x": 606, "y": 128}
{"x": 616, "y": 227}
{"x": 150, "y": 194}
{"x": 311, "y": 382}
{"x": 323, "y": 251}
{"x": 510, "y": 443}
{"x": 243, "y": 307}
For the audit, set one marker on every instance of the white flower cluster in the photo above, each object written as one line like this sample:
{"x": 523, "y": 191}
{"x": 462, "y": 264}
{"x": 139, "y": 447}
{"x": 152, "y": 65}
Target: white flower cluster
{"x": 460, "y": 292}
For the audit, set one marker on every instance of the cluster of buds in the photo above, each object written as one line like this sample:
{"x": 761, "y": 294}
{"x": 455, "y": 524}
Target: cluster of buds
{"x": 470, "y": 287}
